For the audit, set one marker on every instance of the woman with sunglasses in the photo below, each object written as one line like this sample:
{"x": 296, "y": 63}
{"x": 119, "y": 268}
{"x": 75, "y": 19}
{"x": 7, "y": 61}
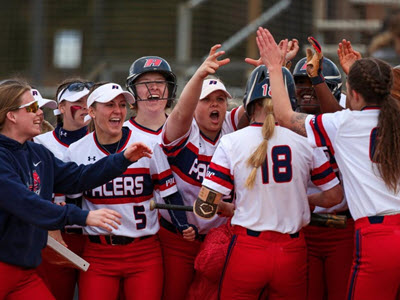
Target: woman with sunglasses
{"x": 71, "y": 96}
{"x": 30, "y": 173}
{"x": 131, "y": 257}
{"x": 365, "y": 140}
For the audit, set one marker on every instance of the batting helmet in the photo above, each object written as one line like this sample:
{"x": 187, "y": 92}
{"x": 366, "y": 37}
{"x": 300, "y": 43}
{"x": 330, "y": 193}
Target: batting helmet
{"x": 330, "y": 72}
{"x": 258, "y": 86}
{"x": 148, "y": 64}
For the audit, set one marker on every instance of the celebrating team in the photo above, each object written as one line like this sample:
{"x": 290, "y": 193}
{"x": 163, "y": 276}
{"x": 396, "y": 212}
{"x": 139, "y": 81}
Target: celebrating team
{"x": 265, "y": 180}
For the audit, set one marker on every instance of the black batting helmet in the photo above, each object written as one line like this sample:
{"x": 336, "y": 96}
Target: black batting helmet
{"x": 148, "y": 64}
{"x": 330, "y": 72}
{"x": 258, "y": 86}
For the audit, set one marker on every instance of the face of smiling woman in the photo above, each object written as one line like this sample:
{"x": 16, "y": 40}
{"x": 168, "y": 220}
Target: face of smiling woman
{"x": 108, "y": 119}
{"x": 26, "y": 122}
{"x": 210, "y": 113}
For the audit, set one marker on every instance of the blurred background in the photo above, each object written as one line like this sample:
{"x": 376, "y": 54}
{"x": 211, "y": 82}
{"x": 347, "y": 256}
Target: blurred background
{"x": 47, "y": 41}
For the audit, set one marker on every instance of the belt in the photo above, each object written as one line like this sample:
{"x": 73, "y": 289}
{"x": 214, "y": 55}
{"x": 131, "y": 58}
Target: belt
{"x": 115, "y": 239}
{"x": 257, "y": 233}
{"x": 73, "y": 230}
{"x": 345, "y": 213}
{"x": 171, "y": 227}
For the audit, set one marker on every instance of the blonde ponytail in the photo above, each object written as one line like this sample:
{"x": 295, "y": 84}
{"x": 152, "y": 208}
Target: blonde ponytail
{"x": 259, "y": 156}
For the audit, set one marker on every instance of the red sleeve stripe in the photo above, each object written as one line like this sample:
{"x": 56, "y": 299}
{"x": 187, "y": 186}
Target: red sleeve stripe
{"x": 220, "y": 175}
{"x": 321, "y": 137}
{"x": 323, "y": 174}
{"x": 164, "y": 180}
{"x": 233, "y": 114}
{"x": 174, "y": 150}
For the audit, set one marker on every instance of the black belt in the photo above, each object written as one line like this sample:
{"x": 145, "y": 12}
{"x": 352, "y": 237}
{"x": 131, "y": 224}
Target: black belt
{"x": 73, "y": 230}
{"x": 257, "y": 233}
{"x": 171, "y": 227}
{"x": 345, "y": 213}
{"x": 115, "y": 239}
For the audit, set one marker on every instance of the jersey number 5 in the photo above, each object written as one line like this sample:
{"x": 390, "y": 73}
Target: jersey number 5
{"x": 281, "y": 157}
{"x": 140, "y": 216}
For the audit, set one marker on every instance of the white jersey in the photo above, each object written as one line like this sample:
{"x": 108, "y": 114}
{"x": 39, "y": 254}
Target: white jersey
{"x": 189, "y": 157}
{"x": 312, "y": 188}
{"x": 139, "y": 130}
{"x": 129, "y": 194}
{"x": 58, "y": 148}
{"x": 51, "y": 142}
{"x": 342, "y": 101}
{"x": 278, "y": 201}
{"x": 350, "y": 135}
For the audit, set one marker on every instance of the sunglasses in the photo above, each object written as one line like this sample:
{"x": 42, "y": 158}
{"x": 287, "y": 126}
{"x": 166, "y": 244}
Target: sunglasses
{"x": 32, "y": 107}
{"x": 76, "y": 87}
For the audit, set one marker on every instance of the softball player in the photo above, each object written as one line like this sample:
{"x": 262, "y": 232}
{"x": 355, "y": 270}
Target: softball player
{"x": 71, "y": 96}
{"x": 364, "y": 141}
{"x": 326, "y": 247}
{"x": 268, "y": 246}
{"x": 153, "y": 84}
{"x": 30, "y": 173}
{"x": 132, "y": 253}
{"x": 190, "y": 137}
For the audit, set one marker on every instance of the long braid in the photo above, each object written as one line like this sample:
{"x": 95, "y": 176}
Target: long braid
{"x": 259, "y": 155}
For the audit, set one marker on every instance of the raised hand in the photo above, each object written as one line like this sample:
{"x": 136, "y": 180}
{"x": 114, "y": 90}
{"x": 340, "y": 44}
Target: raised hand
{"x": 347, "y": 55}
{"x": 253, "y": 62}
{"x": 212, "y": 64}
{"x": 314, "y": 62}
{"x": 272, "y": 55}
{"x": 136, "y": 151}
{"x": 292, "y": 49}
{"x": 104, "y": 218}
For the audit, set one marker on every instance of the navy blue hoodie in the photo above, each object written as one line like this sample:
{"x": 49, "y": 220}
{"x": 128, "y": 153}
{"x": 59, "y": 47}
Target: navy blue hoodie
{"x": 29, "y": 174}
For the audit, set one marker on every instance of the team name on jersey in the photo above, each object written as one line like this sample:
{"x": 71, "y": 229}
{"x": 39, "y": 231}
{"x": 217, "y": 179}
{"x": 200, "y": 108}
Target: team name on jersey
{"x": 198, "y": 170}
{"x": 194, "y": 172}
{"x": 135, "y": 185}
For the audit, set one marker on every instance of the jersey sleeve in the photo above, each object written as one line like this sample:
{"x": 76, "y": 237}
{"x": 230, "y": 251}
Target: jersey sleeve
{"x": 172, "y": 148}
{"x": 321, "y": 130}
{"x": 322, "y": 174}
{"x": 161, "y": 173}
{"x": 219, "y": 175}
{"x": 232, "y": 119}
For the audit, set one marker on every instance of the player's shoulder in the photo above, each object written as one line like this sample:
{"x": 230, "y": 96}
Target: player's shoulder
{"x": 44, "y": 137}
{"x": 83, "y": 142}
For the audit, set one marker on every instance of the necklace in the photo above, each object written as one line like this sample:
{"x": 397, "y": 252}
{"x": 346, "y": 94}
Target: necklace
{"x": 110, "y": 148}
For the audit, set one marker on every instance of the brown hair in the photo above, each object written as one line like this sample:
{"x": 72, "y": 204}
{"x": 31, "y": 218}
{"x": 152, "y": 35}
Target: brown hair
{"x": 373, "y": 78}
{"x": 11, "y": 91}
{"x": 396, "y": 83}
{"x": 258, "y": 157}
{"x": 91, "y": 126}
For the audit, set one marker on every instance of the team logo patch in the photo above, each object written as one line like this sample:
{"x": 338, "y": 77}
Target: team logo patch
{"x": 34, "y": 93}
{"x": 91, "y": 158}
{"x": 152, "y": 62}
{"x": 35, "y": 185}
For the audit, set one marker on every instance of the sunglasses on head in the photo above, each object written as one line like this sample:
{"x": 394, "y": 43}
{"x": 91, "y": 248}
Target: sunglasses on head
{"x": 32, "y": 107}
{"x": 76, "y": 87}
